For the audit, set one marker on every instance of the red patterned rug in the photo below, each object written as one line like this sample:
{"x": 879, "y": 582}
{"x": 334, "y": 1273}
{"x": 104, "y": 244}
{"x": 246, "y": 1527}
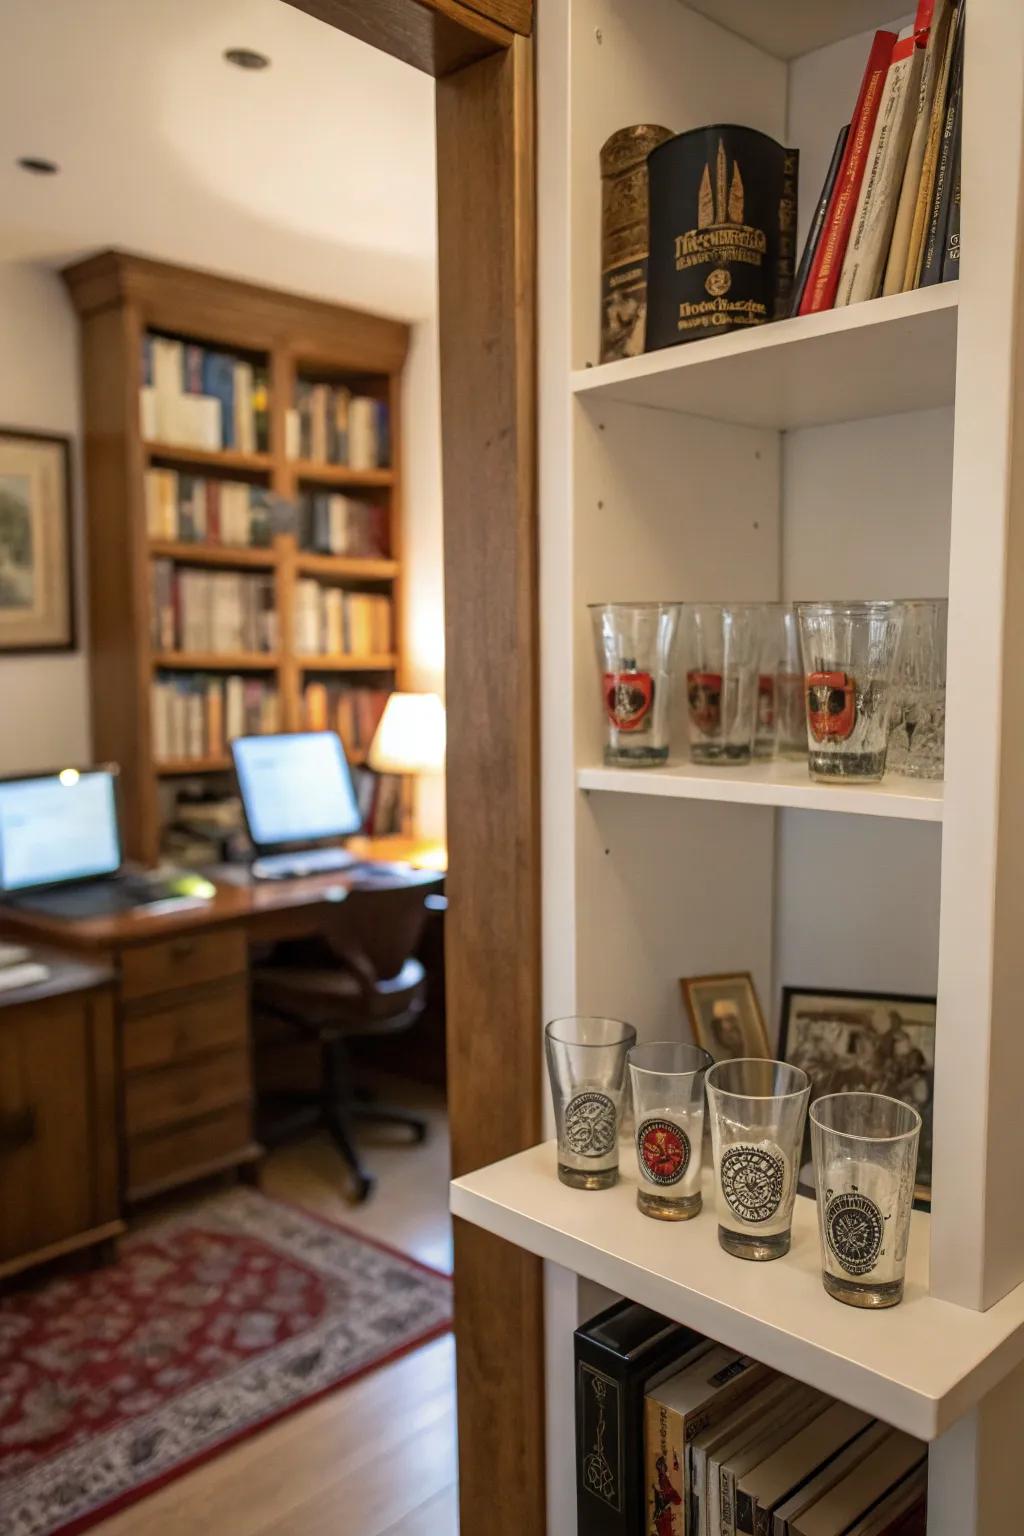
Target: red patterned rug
{"x": 210, "y": 1325}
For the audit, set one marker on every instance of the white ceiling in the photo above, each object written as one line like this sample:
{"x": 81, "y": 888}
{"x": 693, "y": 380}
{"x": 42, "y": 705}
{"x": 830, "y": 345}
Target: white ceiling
{"x": 316, "y": 174}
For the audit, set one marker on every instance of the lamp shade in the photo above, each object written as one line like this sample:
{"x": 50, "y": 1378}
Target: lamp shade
{"x": 411, "y": 735}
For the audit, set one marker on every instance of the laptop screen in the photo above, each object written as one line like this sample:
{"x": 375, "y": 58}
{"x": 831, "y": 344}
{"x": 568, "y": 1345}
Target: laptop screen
{"x": 57, "y": 828}
{"x": 295, "y": 788}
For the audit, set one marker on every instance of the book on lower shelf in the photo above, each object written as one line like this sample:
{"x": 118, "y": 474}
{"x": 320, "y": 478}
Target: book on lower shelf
{"x": 333, "y": 524}
{"x": 202, "y": 509}
{"x": 329, "y": 424}
{"x": 680, "y": 1436}
{"x": 221, "y": 613}
{"x": 330, "y": 621}
{"x": 193, "y": 396}
{"x": 196, "y": 716}
{"x": 351, "y": 710}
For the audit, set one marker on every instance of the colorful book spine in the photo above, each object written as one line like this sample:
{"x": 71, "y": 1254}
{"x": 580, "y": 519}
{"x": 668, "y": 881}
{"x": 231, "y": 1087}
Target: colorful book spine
{"x": 926, "y": 185}
{"x": 931, "y": 29}
{"x": 219, "y": 381}
{"x": 818, "y": 220}
{"x": 945, "y": 170}
{"x": 824, "y": 277}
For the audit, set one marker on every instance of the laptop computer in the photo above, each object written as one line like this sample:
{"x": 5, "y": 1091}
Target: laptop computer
{"x": 60, "y": 846}
{"x": 298, "y": 801}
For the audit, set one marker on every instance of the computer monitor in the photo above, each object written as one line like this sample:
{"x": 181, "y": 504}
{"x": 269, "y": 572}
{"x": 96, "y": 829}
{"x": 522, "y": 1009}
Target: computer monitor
{"x": 58, "y": 827}
{"x": 295, "y": 789}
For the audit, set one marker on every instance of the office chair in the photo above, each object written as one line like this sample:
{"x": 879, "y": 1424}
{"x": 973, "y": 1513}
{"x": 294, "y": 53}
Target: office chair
{"x": 362, "y": 980}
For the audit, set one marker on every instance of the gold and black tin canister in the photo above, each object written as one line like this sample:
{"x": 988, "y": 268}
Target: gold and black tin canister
{"x": 624, "y": 238}
{"x": 721, "y": 202}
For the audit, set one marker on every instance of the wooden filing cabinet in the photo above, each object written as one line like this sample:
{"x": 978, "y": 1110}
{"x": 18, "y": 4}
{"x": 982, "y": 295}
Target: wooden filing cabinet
{"x": 185, "y": 1059}
{"x": 58, "y": 1116}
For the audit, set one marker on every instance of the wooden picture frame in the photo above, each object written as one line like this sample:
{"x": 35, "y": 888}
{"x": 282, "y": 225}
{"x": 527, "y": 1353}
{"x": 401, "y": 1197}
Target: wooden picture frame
{"x": 730, "y": 1024}
{"x": 37, "y": 590}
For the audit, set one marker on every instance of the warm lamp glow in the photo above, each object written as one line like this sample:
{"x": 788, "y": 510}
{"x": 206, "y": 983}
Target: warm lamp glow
{"x": 411, "y": 735}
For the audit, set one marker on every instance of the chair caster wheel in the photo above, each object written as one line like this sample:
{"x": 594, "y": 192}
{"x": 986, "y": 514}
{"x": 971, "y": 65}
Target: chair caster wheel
{"x": 420, "y": 1134}
{"x": 362, "y": 1188}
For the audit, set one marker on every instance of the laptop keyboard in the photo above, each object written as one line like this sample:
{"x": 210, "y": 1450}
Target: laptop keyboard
{"x": 292, "y": 866}
{"x": 106, "y": 898}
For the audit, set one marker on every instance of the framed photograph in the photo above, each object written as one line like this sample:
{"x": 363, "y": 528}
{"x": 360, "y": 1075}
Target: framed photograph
{"x": 849, "y": 1041}
{"x": 725, "y": 1015}
{"x": 37, "y": 608}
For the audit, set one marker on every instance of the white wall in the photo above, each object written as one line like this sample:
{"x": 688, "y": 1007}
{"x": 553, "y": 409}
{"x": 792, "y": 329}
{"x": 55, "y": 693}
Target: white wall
{"x": 44, "y": 706}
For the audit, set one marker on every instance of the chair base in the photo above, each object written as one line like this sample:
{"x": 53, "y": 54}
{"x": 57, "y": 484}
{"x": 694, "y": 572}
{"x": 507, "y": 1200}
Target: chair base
{"x": 310, "y": 1110}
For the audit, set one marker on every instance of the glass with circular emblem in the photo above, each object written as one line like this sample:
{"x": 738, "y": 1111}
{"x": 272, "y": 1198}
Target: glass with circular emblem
{"x": 865, "y": 1165}
{"x": 667, "y": 1084}
{"x": 635, "y": 646}
{"x": 849, "y": 651}
{"x": 758, "y": 1109}
{"x": 722, "y": 642}
{"x": 587, "y": 1070}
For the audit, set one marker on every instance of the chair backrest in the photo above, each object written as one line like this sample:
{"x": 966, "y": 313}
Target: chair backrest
{"x": 384, "y": 922}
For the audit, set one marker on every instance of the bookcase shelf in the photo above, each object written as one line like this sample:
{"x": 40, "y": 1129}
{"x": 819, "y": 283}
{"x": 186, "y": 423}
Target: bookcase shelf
{"x": 309, "y": 473}
{"x": 231, "y": 556}
{"x": 214, "y": 661}
{"x": 223, "y": 459}
{"x": 338, "y": 567}
{"x": 874, "y": 359}
{"x": 774, "y": 783}
{"x": 180, "y": 766}
{"x": 348, "y": 663}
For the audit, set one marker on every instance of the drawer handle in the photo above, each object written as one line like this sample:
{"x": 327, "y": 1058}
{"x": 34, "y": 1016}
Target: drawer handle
{"x": 18, "y": 1128}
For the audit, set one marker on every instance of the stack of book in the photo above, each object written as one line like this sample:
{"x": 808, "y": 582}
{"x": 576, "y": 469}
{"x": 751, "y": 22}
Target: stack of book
{"x": 332, "y": 622}
{"x": 354, "y": 712}
{"x": 195, "y": 717}
{"x": 197, "y": 398}
{"x": 342, "y": 525}
{"x": 888, "y": 217}
{"x": 196, "y": 509}
{"x": 679, "y": 1436}
{"x": 221, "y": 613}
{"x": 328, "y": 424}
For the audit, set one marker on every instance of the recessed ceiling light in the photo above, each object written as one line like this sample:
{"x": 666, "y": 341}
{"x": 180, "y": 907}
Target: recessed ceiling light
{"x": 38, "y": 166}
{"x": 246, "y": 58}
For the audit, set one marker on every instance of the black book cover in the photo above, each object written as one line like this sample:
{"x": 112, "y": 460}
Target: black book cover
{"x": 935, "y": 245}
{"x": 617, "y": 1354}
{"x": 818, "y": 221}
{"x": 786, "y": 261}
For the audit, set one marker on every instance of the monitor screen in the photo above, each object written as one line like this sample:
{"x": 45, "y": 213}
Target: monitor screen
{"x": 58, "y": 828}
{"x": 295, "y": 788}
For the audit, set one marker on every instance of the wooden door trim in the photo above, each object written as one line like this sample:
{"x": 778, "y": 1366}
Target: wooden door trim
{"x": 436, "y": 36}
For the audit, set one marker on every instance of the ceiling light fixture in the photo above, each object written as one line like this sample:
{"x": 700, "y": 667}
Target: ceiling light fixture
{"x": 36, "y": 166}
{"x": 246, "y": 58}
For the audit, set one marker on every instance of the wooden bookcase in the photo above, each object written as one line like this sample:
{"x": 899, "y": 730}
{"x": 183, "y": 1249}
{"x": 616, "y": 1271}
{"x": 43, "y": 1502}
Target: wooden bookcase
{"x": 870, "y": 451}
{"x": 119, "y": 298}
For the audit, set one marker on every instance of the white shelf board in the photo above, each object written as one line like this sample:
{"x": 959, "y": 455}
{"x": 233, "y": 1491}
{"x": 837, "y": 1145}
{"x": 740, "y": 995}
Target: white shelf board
{"x": 775, "y": 783}
{"x": 919, "y": 1366}
{"x": 873, "y": 359}
{"x": 787, "y": 28}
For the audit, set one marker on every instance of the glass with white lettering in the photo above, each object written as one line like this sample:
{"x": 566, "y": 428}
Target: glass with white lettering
{"x": 758, "y": 1110}
{"x": 635, "y": 646}
{"x": 865, "y": 1165}
{"x": 667, "y": 1082}
{"x": 587, "y": 1069}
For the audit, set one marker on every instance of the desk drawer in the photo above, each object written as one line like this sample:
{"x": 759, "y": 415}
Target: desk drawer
{"x": 186, "y": 961}
{"x": 189, "y": 1152}
{"x": 211, "y": 1021}
{"x": 175, "y": 1095}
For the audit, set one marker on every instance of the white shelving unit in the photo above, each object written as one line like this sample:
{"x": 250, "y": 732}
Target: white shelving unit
{"x": 874, "y": 451}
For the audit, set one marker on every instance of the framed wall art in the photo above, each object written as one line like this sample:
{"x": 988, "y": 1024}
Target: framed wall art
{"x": 37, "y": 608}
{"x": 725, "y": 1015}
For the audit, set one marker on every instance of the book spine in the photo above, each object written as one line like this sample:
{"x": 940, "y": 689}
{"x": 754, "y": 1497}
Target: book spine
{"x": 744, "y": 1505}
{"x": 926, "y": 184}
{"x": 219, "y": 381}
{"x": 935, "y": 245}
{"x": 824, "y": 278}
{"x": 786, "y": 262}
{"x": 951, "y": 261}
{"x": 664, "y": 1469}
{"x": 818, "y": 221}
{"x": 931, "y": 28}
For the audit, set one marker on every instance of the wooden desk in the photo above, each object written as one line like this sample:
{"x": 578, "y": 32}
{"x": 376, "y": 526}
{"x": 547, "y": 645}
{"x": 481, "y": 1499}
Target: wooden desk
{"x": 184, "y": 1068}
{"x": 58, "y": 1114}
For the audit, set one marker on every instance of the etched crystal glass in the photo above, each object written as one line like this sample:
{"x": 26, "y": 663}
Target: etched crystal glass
{"x": 587, "y": 1069}
{"x": 865, "y": 1164}
{"x": 771, "y": 645}
{"x": 849, "y": 651}
{"x": 635, "y": 646}
{"x": 917, "y": 729}
{"x": 667, "y": 1082}
{"x": 758, "y": 1109}
{"x": 790, "y": 710}
{"x": 722, "y": 644}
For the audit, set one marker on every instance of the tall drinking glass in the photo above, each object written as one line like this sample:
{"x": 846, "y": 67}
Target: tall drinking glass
{"x": 865, "y": 1163}
{"x": 766, "y": 707}
{"x": 635, "y": 646}
{"x": 849, "y": 650}
{"x": 758, "y": 1109}
{"x": 722, "y": 649}
{"x": 917, "y": 731}
{"x": 667, "y": 1080}
{"x": 790, "y": 710}
{"x": 587, "y": 1068}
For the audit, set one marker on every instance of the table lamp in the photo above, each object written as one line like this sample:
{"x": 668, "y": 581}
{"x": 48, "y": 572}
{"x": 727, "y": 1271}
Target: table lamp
{"x": 410, "y": 740}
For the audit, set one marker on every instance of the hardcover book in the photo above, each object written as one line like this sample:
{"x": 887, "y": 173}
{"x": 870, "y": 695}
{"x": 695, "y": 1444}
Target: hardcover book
{"x": 926, "y": 184}
{"x": 931, "y": 29}
{"x": 946, "y": 168}
{"x": 818, "y": 220}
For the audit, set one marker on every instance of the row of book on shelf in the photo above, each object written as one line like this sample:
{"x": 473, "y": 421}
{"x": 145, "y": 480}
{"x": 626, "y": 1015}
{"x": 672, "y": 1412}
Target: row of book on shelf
{"x": 680, "y": 1436}
{"x": 888, "y": 216}
{"x": 221, "y": 613}
{"x": 332, "y": 622}
{"x": 353, "y": 711}
{"x": 202, "y": 509}
{"x": 196, "y": 716}
{"x": 202, "y": 397}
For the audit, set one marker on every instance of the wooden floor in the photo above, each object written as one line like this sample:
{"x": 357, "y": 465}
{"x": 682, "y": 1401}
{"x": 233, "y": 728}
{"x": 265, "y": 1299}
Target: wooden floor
{"x": 373, "y": 1459}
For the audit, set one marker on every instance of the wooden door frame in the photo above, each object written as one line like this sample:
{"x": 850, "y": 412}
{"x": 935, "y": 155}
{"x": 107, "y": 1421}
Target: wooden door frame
{"x": 481, "y": 53}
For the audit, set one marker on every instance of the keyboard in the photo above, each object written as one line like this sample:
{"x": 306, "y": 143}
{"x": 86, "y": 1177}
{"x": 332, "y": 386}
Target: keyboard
{"x": 311, "y": 861}
{"x": 97, "y": 898}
